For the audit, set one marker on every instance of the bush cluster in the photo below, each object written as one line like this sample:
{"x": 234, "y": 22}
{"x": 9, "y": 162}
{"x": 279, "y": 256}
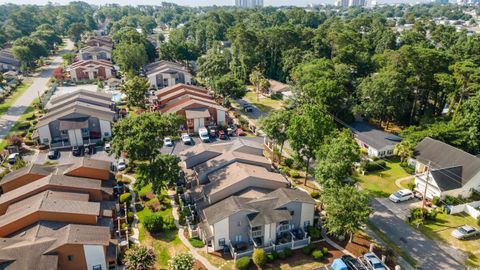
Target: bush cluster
{"x": 243, "y": 263}
{"x": 126, "y": 197}
{"x": 314, "y": 233}
{"x": 315, "y": 195}
{"x": 196, "y": 243}
{"x": 153, "y": 223}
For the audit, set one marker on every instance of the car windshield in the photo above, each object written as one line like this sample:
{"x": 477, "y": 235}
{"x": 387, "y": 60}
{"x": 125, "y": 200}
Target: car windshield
{"x": 167, "y": 139}
{"x": 378, "y": 266}
{"x": 397, "y": 194}
{"x": 464, "y": 230}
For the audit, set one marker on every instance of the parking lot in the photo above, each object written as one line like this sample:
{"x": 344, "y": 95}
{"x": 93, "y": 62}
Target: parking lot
{"x": 66, "y": 157}
{"x": 178, "y": 146}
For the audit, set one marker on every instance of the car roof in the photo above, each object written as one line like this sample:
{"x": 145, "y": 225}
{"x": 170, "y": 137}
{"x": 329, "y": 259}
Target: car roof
{"x": 405, "y": 191}
{"x": 468, "y": 227}
{"x": 12, "y": 155}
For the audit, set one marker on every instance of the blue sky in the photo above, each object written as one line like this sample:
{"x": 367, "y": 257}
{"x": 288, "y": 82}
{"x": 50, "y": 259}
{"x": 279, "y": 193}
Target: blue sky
{"x": 180, "y": 2}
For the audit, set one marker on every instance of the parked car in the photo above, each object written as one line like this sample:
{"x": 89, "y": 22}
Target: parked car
{"x": 121, "y": 164}
{"x": 108, "y": 147}
{"x": 401, "y": 195}
{"x": 465, "y": 232}
{"x": 167, "y": 141}
{"x": 186, "y": 138}
{"x": 77, "y": 151}
{"x": 247, "y": 107}
{"x": 53, "y": 154}
{"x": 12, "y": 158}
{"x": 222, "y": 135}
{"x": 374, "y": 262}
{"x": 203, "y": 134}
{"x": 353, "y": 263}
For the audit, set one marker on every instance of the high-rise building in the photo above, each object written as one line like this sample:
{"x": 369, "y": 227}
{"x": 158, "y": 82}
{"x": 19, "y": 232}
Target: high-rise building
{"x": 351, "y": 3}
{"x": 248, "y": 3}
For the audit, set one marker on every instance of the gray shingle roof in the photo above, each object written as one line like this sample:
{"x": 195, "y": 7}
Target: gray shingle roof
{"x": 451, "y": 167}
{"x": 373, "y": 136}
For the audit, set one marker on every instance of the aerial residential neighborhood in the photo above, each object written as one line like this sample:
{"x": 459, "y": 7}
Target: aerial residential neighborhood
{"x": 247, "y": 134}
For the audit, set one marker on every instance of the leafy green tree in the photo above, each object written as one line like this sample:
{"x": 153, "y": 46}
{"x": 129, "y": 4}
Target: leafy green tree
{"x": 153, "y": 222}
{"x": 309, "y": 125}
{"x": 214, "y": 65}
{"x": 467, "y": 78}
{"x": 141, "y": 136}
{"x": 130, "y": 57}
{"x": 139, "y": 257}
{"x": 228, "y": 86}
{"x": 178, "y": 48}
{"x": 162, "y": 170}
{"x": 384, "y": 96}
{"x": 28, "y": 49}
{"x": 135, "y": 89}
{"x": 347, "y": 210}
{"x": 181, "y": 261}
{"x": 259, "y": 82}
{"x": 469, "y": 121}
{"x": 335, "y": 159}
{"x": 76, "y": 30}
{"x": 275, "y": 126}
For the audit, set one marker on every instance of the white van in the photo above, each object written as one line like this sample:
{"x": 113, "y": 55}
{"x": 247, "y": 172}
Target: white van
{"x": 203, "y": 133}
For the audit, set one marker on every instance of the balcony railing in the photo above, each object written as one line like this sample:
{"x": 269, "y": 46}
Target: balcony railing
{"x": 256, "y": 233}
{"x": 283, "y": 228}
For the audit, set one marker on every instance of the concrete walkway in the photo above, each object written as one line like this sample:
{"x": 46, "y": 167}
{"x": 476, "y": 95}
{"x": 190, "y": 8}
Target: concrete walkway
{"x": 135, "y": 235}
{"x": 399, "y": 181}
{"x": 38, "y": 87}
{"x": 181, "y": 234}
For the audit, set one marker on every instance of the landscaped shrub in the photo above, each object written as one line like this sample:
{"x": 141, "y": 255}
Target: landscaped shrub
{"x": 373, "y": 166}
{"x": 409, "y": 169}
{"x": 288, "y": 162}
{"x": 314, "y": 233}
{"x": 307, "y": 250}
{"x": 324, "y": 250}
{"x": 288, "y": 252}
{"x": 315, "y": 195}
{"x": 168, "y": 224}
{"x": 294, "y": 174}
{"x": 275, "y": 255}
{"x": 126, "y": 197}
{"x": 130, "y": 217}
{"x": 243, "y": 263}
{"x": 142, "y": 194}
{"x": 317, "y": 254}
{"x": 436, "y": 200}
{"x": 411, "y": 185}
{"x": 182, "y": 261}
{"x": 284, "y": 170}
{"x": 153, "y": 223}
{"x": 281, "y": 255}
{"x": 270, "y": 258}
{"x": 259, "y": 257}
{"x": 196, "y": 243}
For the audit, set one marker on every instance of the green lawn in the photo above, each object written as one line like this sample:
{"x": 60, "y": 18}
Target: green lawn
{"x": 443, "y": 227}
{"x": 382, "y": 183}
{"x": 264, "y": 104}
{"x": 14, "y": 97}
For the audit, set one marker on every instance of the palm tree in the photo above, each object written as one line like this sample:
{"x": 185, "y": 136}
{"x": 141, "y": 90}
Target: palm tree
{"x": 404, "y": 150}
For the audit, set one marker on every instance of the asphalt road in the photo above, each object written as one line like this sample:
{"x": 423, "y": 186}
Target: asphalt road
{"x": 425, "y": 251}
{"x": 38, "y": 87}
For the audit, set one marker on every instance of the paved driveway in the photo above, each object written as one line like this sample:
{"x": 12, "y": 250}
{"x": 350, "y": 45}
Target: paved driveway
{"x": 400, "y": 209}
{"x": 425, "y": 251}
{"x": 38, "y": 87}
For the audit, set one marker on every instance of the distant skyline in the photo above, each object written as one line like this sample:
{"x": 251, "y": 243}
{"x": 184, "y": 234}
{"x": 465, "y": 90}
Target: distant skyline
{"x": 194, "y": 3}
{"x": 179, "y": 2}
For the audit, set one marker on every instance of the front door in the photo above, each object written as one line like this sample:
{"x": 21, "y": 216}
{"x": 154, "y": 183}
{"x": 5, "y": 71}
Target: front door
{"x": 198, "y": 123}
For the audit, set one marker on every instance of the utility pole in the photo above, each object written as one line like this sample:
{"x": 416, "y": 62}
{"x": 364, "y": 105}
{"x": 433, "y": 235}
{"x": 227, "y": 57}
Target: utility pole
{"x": 427, "y": 176}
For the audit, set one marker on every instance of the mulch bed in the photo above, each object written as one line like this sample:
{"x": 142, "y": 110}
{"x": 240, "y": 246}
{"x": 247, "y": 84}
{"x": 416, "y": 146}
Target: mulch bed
{"x": 199, "y": 266}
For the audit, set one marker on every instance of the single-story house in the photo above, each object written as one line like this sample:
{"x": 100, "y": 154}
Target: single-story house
{"x": 277, "y": 87}
{"x": 377, "y": 142}
{"x": 449, "y": 170}
{"x": 8, "y": 61}
{"x": 95, "y": 53}
{"x": 265, "y": 220}
{"x": 76, "y": 119}
{"x": 98, "y": 41}
{"x": 162, "y": 74}
{"x": 92, "y": 70}
{"x": 193, "y": 103}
